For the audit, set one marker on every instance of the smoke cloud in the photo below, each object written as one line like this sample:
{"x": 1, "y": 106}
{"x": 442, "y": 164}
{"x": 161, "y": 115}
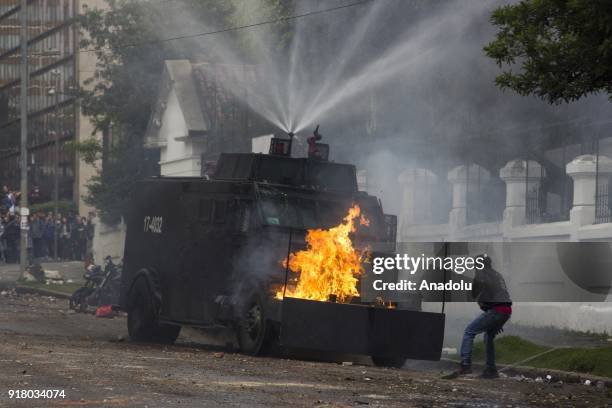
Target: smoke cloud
{"x": 387, "y": 80}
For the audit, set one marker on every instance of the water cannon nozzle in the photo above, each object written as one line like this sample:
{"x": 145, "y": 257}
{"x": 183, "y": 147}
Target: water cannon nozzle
{"x": 319, "y": 151}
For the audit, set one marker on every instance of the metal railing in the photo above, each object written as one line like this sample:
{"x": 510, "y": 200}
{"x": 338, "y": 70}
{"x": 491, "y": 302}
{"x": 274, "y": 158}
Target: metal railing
{"x": 535, "y": 204}
{"x": 603, "y": 212}
{"x": 487, "y": 204}
{"x": 537, "y": 210}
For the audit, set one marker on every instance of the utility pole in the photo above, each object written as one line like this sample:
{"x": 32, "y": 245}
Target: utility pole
{"x": 55, "y": 91}
{"x": 23, "y": 203}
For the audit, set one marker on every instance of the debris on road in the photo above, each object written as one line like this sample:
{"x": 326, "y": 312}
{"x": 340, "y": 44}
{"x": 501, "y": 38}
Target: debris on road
{"x": 90, "y": 359}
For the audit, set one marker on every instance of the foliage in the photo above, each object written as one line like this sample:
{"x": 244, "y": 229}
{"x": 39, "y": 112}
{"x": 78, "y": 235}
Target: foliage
{"x": 128, "y": 39}
{"x": 558, "y": 50}
{"x": 510, "y": 349}
{"x": 119, "y": 96}
{"x": 253, "y": 11}
{"x": 64, "y": 207}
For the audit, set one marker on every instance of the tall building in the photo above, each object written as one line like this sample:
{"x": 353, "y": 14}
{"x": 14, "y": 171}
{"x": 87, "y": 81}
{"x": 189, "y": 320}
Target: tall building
{"x": 57, "y": 69}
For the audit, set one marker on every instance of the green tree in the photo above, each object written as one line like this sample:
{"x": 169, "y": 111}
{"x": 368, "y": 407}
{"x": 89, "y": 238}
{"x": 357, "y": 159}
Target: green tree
{"x": 558, "y": 50}
{"x": 129, "y": 40}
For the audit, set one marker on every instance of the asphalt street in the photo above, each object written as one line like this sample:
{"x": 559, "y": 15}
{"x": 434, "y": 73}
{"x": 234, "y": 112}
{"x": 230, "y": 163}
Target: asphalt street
{"x": 43, "y": 345}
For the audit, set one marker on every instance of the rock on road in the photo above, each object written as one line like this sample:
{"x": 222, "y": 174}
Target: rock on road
{"x": 44, "y": 346}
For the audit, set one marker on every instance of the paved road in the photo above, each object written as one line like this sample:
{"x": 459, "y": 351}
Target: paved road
{"x": 43, "y": 346}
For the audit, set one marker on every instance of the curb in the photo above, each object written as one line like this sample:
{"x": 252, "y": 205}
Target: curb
{"x": 7, "y": 285}
{"x": 38, "y": 291}
{"x": 565, "y": 376}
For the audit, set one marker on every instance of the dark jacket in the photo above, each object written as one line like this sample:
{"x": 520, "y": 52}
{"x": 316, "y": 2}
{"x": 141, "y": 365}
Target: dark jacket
{"x": 11, "y": 230}
{"x": 489, "y": 289}
{"x": 49, "y": 229}
{"x": 37, "y": 229}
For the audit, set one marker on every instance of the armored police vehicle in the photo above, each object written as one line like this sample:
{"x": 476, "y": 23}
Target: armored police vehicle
{"x": 207, "y": 252}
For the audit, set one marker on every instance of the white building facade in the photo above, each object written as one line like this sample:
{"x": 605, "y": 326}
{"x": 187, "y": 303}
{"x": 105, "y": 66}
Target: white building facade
{"x": 590, "y": 174}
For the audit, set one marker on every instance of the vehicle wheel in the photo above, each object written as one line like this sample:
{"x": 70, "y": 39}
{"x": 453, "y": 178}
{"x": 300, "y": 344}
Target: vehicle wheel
{"x": 395, "y": 362}
{"x": 253, "y": 328}
{"x": 142, "y": 317}
{"x": 78, "y": 300}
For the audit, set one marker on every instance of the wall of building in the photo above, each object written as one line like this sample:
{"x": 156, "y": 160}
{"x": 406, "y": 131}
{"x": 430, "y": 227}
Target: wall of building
{"x": 178, "y": 157}
{"x": 108, "y": 241}
{"x": 85, "y": 67}
{"x": 59, "y": 65}
{"x": 586, "y": 171}
{"x": 51, "y": 53}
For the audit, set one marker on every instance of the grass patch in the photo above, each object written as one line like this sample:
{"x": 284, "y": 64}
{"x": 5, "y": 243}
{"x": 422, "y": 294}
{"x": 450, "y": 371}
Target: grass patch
{"x": 66, "y": 288}
{"x": 597, "y": 361}
{"x": 512, "y": 349}
{"x": 509, "y": 349}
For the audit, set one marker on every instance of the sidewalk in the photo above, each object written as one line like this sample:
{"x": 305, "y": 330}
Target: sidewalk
{"x": 73, "y": 270}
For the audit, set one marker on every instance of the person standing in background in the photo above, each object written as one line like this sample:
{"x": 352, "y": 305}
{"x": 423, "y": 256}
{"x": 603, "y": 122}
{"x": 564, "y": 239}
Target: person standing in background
{"x": 64, "y": 239}
{"x": 37, "y": 234}
{"x": 2, "y": 240}
{"x": 49, "y": 236}
{"x": 81, "y": 238}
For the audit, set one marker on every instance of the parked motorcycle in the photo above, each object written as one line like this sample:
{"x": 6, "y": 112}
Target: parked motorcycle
{"x": 101, "y": 287}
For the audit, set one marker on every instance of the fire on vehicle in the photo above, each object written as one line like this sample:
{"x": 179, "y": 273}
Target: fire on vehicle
{"x": 274, "y": 248}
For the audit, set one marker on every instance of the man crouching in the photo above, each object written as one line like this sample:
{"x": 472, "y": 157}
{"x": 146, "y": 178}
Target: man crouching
{"x": 489, "y": 290}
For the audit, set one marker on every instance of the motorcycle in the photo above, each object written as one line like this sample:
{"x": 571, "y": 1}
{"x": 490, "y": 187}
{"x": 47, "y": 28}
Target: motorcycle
{"x": 101, "y": 287}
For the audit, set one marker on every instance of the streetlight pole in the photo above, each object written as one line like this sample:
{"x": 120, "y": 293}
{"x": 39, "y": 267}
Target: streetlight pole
{"x": 56, "y": 92}
{"x": 23, "y": 203}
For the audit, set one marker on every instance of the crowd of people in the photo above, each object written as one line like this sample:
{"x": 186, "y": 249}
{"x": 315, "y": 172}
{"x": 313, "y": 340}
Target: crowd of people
{"x": 50, "y": 236}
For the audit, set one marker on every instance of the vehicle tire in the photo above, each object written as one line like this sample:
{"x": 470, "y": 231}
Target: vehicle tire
{"x": 142, "y": 320}
{"x": 395, "y": 362}
{"x": 253, "y": 327}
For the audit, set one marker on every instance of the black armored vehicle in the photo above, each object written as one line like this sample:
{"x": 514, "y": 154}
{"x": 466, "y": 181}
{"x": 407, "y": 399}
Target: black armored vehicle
{"x": 208, "y": 252}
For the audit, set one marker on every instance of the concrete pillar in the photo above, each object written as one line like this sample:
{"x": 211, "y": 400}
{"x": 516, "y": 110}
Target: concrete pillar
{"x": 464, "y": 180}
{"x": 417, "y": 187}
{"x": 518, "y": 179}
{"x": 583, "y": 170}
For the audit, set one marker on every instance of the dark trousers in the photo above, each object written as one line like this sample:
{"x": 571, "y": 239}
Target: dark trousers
{"x": 65, "y": 249}
{"x": 38, "y": 247}
{"x": 12, "y": 250}
{"x": 49, "y": 247}
{"x": 489, "y": 323}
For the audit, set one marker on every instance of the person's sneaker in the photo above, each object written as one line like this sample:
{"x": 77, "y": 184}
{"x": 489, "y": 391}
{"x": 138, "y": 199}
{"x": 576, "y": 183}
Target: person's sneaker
{"x": 489, "y": 373}
{"x": 463, "y": 370}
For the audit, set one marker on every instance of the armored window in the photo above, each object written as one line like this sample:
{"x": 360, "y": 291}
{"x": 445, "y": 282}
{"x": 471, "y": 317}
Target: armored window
{"x": 205, "y": 210}
{"x": 220, "y": 209}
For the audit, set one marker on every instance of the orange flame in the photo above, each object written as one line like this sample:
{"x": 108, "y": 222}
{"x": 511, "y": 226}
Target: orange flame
{"x": 330, "y": 265}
